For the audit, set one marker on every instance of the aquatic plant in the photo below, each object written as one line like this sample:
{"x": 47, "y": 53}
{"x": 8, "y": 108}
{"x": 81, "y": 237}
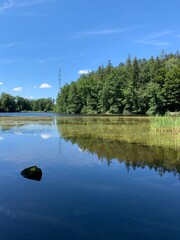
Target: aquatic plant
{"x": 166, "y": 124}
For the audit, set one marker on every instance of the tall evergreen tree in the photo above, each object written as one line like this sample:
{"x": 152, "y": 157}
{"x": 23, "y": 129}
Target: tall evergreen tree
{"x": 137, "y": 86}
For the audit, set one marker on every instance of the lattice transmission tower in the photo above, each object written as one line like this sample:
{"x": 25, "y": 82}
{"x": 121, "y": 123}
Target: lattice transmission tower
{"x": 59, "y": 87}
{"x": 59, "y": 80}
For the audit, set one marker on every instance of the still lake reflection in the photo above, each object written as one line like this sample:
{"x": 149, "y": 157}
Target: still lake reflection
{"x": 96, "y": 184}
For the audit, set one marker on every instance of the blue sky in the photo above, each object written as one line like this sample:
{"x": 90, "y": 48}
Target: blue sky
{"x": 37, "y": 37}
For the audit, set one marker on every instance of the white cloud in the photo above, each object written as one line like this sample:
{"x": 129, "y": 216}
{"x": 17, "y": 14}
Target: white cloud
{"x": 108, "y": 31}
{"x": 18, "y": 133}
{"x": 160, "y": 34}
{"x": 83, "y": 150}
{"x": 45, "y": 85}
{"x": 53, "y": 59}
{"x": 22, "y": 3}
{"x": 10, "y": 45}
{"x": 42, "y": 61}
{"x": 154, "y": 40}
{"x": 1, "y": 138}
{"x": 6, "y": 5}
{"x": 19, "y": 3}
{"x": 45, "y": 136}
{"x": 13, "y": 44}
{"x": 29, "y": 97}
{"x": 1, "y": 83}
{"x": 17, "y": 89}
{"x": 6, "y": 61}
{"x": 85, "y": 71}
{"x": 82, "y": 54}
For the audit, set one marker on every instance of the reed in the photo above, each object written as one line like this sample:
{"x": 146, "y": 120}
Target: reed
{"x": 166, "y": 124}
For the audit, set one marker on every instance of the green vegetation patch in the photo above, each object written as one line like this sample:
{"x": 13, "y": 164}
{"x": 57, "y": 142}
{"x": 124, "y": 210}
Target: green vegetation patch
{"x": 123, "y": 129}
{"x": 166, "y": 124}
{"x": 138, "y": 86}
{"x": 22, "y": 120}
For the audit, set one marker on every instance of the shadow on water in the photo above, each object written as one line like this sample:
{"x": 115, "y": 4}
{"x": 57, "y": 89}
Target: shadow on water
{"x": 32, "y": 173}
{"x": 129, "y": 140}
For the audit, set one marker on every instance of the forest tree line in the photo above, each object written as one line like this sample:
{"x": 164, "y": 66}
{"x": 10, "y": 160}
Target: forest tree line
{"x": 9, "y": 103}
{"x": 138, "y": 86}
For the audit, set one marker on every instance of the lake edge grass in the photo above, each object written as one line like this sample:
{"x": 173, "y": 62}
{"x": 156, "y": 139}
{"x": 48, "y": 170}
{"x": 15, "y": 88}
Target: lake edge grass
{"x": 23, "y": 120}
{"x": 168, "y": 124}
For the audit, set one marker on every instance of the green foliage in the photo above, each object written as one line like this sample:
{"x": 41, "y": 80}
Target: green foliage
{"x": 42, "y": 104}
{"x": 138, "y": 86}
{"x": 172, "y": 88}
{"x": 155, "y": 99}
{"x": 9, "y": 103}
{"x": 166, "y": 123}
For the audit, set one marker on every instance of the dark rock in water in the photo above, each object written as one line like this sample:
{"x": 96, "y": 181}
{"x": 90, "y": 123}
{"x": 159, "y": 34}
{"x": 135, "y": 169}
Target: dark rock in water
{"x": 33, "y": 173}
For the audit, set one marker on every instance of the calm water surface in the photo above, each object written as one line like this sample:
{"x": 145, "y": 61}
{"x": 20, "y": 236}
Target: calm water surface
{"x": 92, "y": 188}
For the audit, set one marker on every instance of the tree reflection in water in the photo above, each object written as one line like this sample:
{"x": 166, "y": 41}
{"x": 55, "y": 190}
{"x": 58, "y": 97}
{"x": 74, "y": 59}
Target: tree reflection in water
{"x": 128, "y": 141}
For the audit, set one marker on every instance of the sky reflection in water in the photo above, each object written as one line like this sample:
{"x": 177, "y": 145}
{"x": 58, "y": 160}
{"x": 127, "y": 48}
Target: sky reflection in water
{"x": 88, "y": 190}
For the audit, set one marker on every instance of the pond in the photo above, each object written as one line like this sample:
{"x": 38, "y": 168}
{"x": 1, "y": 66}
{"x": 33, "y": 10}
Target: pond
{"x": 103, "y": 178}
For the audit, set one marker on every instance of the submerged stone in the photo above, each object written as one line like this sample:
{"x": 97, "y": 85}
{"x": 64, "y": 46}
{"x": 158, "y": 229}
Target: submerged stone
{"x": 33, "y": 173}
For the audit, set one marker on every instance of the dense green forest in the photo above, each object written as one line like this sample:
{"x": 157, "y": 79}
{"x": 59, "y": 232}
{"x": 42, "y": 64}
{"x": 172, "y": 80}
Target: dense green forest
{"x": 138, "y": 86}
{"x": 9, "y": 103}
